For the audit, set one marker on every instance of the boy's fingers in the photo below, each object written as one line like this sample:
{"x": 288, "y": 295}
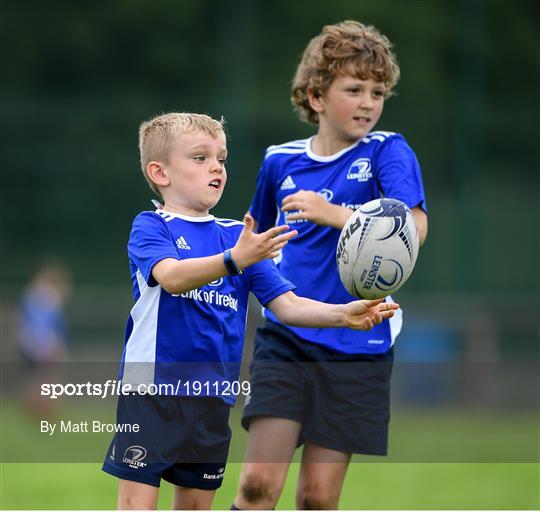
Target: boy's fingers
{"x": 292, "y": 205}
{"x": 280, "y": 246}
{"x": 285, "y": 237}
{"x": 273, "y": 232}
{"x": 371, "y": 303}
{"x": 248, "y": 222}
{"x": 289, "y": 198}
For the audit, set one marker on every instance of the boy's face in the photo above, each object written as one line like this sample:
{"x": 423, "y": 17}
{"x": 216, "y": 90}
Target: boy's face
{"x": 351, "y": 107}
{"x": 196, "y": 173}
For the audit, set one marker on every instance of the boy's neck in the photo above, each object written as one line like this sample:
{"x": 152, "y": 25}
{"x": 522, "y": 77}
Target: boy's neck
{"x": 327, "y": 145}
{"x": 182, "y": 210}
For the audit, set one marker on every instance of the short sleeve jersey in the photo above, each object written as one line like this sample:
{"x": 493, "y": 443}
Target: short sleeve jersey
{"x": 380, "y": 165}
{"x": 196, "y": 336}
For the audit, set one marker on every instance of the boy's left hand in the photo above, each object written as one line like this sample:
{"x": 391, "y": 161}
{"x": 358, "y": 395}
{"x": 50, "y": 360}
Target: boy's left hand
{"x": 313, "y": 207}
{"x": 364, "y": 314}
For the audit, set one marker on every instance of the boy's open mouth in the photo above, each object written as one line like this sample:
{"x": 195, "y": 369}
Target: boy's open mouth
{"x": 362, "y": 119}
{"x": 216, "y": 183}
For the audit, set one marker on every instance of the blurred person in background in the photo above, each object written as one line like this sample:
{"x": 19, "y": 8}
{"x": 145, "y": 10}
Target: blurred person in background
{"x": 43, "y": 330}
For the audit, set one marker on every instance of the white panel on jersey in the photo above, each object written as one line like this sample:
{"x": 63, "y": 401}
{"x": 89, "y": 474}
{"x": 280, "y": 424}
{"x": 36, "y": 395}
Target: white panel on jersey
{"x": 140, "y": 358}
{"x": 279, "y": 257}
{"x": 396, "y": 322}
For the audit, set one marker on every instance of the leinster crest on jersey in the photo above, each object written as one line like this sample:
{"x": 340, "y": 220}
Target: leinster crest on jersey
{"x": 360, "y": 170}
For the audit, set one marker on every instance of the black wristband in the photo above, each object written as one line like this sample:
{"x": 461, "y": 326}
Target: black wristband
{"x": 230, "y": 265}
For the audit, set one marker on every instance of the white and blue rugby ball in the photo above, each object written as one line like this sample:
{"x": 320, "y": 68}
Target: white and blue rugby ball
{"x": 377, "y": 249}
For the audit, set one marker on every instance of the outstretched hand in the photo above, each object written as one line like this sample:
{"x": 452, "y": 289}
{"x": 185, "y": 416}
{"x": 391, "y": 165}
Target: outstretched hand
{"x": 364, "y": 314}
{"x": 253, "y": 247}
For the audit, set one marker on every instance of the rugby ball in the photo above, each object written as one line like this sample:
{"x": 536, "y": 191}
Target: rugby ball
{"x": 377, "y": 249}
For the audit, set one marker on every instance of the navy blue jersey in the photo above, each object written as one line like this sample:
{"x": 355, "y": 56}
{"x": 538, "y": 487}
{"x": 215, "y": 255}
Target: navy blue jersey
{"x": 197, "y": 335}
{"x": 380, "y": 165}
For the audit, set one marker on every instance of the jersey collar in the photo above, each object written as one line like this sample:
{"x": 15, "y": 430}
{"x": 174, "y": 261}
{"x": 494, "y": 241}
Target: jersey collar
{"x": 329, "y": 158}
{"x": 189, "y": 218}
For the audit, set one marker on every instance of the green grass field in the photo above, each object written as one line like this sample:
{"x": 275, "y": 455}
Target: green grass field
{"x": 371, "y": 486}
{"x": 495, "y": 464}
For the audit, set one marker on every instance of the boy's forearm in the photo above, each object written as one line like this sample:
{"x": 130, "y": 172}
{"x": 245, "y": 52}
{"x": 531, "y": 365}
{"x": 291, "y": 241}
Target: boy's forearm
{"x": 421, "y": 220}
{"x": 302, "y": 312}
{"x": 179, "y": 276}
{"x": 339, "y": 216}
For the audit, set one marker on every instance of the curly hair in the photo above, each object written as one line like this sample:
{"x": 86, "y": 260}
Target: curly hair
{"x": 348, "y": 47}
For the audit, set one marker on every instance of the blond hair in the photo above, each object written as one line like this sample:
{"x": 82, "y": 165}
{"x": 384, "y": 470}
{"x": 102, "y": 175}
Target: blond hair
{"x": 348, "y": 47}
{"x": 158, "y": 135}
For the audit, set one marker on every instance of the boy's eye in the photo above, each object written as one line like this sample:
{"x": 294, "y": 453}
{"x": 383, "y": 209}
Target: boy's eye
{"x": 354, "y": 90}
{"x": 199, "y": 158}
{"x": 222, "y": 161}
{"x": 378, "y": 94}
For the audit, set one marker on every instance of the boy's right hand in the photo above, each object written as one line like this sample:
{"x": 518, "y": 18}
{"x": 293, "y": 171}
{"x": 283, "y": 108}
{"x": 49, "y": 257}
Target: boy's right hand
{"x": 254, "y": 247}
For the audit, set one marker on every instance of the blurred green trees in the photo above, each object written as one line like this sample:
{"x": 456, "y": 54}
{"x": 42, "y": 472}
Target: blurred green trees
{"x": 78, "y": 78}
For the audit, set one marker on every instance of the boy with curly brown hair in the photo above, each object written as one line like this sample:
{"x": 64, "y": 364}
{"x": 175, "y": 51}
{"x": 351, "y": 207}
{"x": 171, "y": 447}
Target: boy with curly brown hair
{"x": 326, "y": 389}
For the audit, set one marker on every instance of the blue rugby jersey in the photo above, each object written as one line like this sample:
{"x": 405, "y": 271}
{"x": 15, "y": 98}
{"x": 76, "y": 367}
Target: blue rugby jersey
{"x": 197, "y": 335}
{"x": 380, "y": 165}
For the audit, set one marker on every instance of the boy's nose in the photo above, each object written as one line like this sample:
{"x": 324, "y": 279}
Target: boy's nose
{"x": 217, "y": 166}
{"x": 366, "y": 103}
{"x": 366, "y": 100}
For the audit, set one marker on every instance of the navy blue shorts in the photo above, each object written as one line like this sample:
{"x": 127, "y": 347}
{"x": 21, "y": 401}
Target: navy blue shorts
{"x": 184, "y": 440}
{"x": 341, "y": 400}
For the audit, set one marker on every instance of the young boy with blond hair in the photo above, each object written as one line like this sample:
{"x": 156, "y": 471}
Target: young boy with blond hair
{"x": 192, "y": 273}
{"x": 338, "y": 404}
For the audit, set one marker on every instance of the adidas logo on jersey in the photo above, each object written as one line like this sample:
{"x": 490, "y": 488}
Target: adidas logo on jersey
{"x": 182, "y": 244}
{"x": 360, "y": 170}
{"x": 288, "y": 184}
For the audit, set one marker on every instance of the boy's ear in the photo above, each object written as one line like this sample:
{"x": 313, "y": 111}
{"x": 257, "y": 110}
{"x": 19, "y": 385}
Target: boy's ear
{"x": 157, "y": 173}
{"x": 316, "y": 100}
